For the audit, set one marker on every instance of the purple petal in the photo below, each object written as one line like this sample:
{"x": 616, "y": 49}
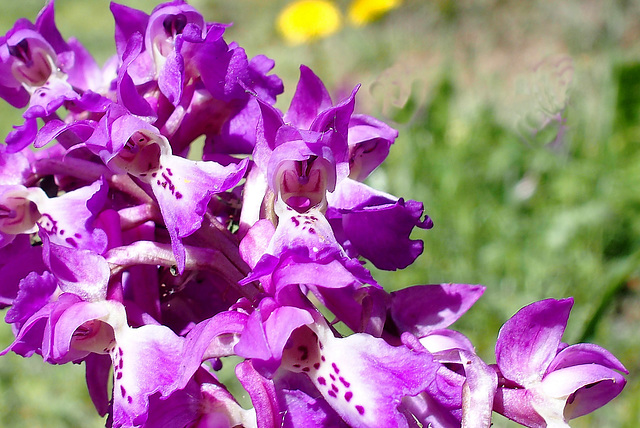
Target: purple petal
{"x": 515, "y": 404}
{"x": 211, "y": 338}
{"x": 67, "y": 343}
{"x": 45, "y": 23}
{"x": 265, "y": 340}
{"x": 369, "y": 143}
{"x": 98, "y": 373}
{"x": 311, "y": 98}
{"x": 14, "y": 167}
{"x": 222, "y": 68}
{"x": 363, "y": 378}
{"x": 445, "y": 339}
{"x": 362, "y": 210}
{"x": 81, "y": 272}
{"x": 171, "y": 78}
{"x": 587, "y": 386}
{"x": 528, "y": 342}
{"x": 183, "y": 189}
{"x": 585, "y": 353}
{"x": 304, "y": 411}
{"x": 68, "y": 219}
{"x": 34, "y": 293}
{"x": 145, "y": 360}
{"x": 424, "y": 308}
{"x": 128, "y": 22}
{"x": 22, "y": 135}
{"x": 17, "y": 260}
{"x": 262, "y": 393}
{"x": 127, "y": 92}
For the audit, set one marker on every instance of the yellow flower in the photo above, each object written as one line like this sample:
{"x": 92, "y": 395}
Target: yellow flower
{"x": 362, "y": 12}
{"x": 306, "y": 20}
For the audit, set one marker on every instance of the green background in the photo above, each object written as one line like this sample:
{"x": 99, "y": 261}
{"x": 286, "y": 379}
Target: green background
{"x": 464, "y": 82}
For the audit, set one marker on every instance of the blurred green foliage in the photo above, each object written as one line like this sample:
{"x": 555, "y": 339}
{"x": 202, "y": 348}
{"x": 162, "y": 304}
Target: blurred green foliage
{"x": 528, "y": 208}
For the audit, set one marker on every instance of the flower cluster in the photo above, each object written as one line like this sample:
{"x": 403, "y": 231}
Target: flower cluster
{"x": 126, "y": 248}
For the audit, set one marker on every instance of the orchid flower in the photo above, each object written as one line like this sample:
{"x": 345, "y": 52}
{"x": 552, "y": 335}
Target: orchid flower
{"x": 544, "y": 382}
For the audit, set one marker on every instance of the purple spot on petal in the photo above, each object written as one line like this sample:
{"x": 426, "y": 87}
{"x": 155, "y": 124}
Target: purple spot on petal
{"x": 322, "y": 356}
{"x": 316, "y": 366}
{"x": 120, "y": 364}
{"x": 123, "y": 391}
{"x": 119, "y": 375}
{"x": 71, "y": 242}
{"x": 312, "y": 231}
{"x": 295, "y": 221}
{"x": 348, "y": 396}
{"x": 304, "y": 352}
{"x": 333, "y": 378}
{"x": 335, "y": 368}
{"x": 360, "y": 409}
{"x": 332, "y": 393}
{"x": 296, "y": 365}
{"x": 129, "y": 399}
{"x": 178, "y": 195}
{"x": 306, "y": 369}
{"x": 322, "y": 381}
{"x": 334, "y": 387}
{"x": 344, "y": 382}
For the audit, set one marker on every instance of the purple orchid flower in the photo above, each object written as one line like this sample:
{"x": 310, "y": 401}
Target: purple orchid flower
{"x": 118, "y": 250}
{"x": 305, "y": 153}
{"x": 67, "y": 219}
{"x": 182, "y": 187}
{"x": 544, "y": 382}
{"x": 68, "y": 328}
{"x": 362, "y": 378}
{"x": 202, "y": 79}
{"x": 203, "y": 402}
{"x": 41, "y": 70}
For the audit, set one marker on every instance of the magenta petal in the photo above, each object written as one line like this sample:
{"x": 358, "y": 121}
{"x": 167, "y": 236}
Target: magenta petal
{"x": 527, "y": 343}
